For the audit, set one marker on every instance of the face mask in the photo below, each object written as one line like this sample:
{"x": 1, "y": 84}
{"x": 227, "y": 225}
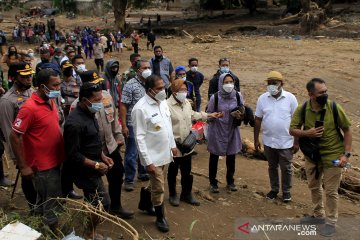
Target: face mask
{"x": 22, "y": 86}
{"x": 68, "y": 72}
{"x": 31, "y": 54}
{"x": 181, "y": 96}
{"x": 81, "y": 68}
{"x": 322, "y": 99}
{"x": 194, "y": 69}
{"x": 52, "y": 93}
{"x": 158, "y": 57}
{"x": 12, "y": 52}
{"x": 224, "y": 69}
{"x": 114, "y": 73}
{"x": 56, "y": 56}
{"x": 160, "y": 96}
{"x": 95, "y": 107}
{"x": 184, "y": 78}
{"x": 146, "y": 73}
{"x": 273, "y": 89}
{"x": 228, "y": 87}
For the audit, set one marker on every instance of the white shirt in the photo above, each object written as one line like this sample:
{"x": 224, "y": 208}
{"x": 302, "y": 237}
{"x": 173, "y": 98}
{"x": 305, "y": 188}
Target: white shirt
{"x": 153, "y": 132}
{"x": 276, "y": 117}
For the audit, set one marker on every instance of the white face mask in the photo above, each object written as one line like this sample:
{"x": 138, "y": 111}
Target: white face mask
{"x": 194, "y": 69}
{"x": 224, "y": 69}
{"x": 181, "y": 96}
{"x": 228, "y": 87}
{"x": 81, "y": 68}
{"x": 31, "y": 54}
{"x": 146, "y": 73}
{"x": 273, "y": 89}
{"x": 184, "y": 78}
{"x": 160, "y": 96}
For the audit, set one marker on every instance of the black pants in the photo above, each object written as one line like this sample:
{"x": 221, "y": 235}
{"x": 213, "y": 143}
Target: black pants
{"x": 79, "y": 50}
{"x": 148, "y": 44}
{"x": 29, "y": 192}
{"x": 230, "y": 168}
{"x": 115, "y": 179}
{"x": 67, "y": 178}
{"x": 185, "y": 168}
{"x": 136, "y": 47}
{"x": 99, "y": 62}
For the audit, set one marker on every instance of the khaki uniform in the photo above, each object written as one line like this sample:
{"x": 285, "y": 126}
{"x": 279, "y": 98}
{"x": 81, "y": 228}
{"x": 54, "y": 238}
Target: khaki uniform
{"x": 10, "y": 105}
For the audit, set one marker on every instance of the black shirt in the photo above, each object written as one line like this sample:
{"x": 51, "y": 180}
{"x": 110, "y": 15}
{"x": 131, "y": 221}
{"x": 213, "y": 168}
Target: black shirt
{"x": 81, "y": 136}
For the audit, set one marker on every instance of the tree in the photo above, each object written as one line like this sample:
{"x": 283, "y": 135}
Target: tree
{"x": 119, "y": 7}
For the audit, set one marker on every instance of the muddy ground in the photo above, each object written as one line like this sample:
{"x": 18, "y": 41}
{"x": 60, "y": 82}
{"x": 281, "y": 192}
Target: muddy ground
{"x": 252, "y": 56}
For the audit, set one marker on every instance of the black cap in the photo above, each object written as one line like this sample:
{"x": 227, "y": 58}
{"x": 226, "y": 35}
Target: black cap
{"x": 91, "y": 76}
{"x": 21, "y": 68}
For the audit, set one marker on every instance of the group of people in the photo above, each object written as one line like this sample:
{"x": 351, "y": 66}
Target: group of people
{"x": 65, "y": 125}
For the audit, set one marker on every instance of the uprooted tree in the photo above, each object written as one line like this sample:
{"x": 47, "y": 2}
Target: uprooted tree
{"x": 311, "y": 16}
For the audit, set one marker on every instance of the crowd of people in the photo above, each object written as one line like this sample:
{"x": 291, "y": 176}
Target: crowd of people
{"x": 64, "y": 124}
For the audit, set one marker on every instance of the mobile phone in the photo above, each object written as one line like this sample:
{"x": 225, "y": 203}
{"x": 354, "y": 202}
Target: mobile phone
{"x": 319, "y": 123}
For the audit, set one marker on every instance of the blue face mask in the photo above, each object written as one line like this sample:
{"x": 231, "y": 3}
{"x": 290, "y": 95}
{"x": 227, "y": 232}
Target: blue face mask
{"x": 52, "y": 93}
{"x": 95, "y": 107}
{"x": 224, "y": 69}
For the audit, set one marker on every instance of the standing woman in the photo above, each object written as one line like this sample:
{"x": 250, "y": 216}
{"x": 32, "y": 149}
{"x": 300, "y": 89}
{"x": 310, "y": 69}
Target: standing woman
{"x": 223, "y": 133}
{"x": 181, "y": 118}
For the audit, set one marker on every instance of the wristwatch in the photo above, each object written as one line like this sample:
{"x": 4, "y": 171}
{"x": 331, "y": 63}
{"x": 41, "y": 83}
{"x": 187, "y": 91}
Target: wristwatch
{"x": 97, "y": 165}
{"x": 347, "y": 154}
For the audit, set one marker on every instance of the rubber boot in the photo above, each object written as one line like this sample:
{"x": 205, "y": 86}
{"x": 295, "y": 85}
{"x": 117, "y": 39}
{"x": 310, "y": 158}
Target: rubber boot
{"x": 161, "y": 222}
{"x": 120, "y": 211}
{"x": 186, "y": 192}
{"x": 145, "y": 203}
{"x": 173, "y": 198}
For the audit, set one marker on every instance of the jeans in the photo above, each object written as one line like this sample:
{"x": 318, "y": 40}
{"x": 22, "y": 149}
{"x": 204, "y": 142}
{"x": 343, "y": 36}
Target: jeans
{"x": 132, "y": 158}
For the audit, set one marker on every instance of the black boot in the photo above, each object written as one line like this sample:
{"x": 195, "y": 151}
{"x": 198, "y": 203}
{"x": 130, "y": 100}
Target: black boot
{"x": 122, "y": 212}
{"x": 145, "y": 203}
{"x": 173, "y": 198}
{"x": 161, "y": 222}
{"x": 186, "y": 192}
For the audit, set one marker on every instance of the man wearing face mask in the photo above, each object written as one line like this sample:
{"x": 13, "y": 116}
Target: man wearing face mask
{"x": 162, "y": 66}
{"x": 182, "y": 116}
{"x": 83, "y": 147}
{"x": 133, "y": 91}
{"x": 274, "y": 110}
{"x": 196, "y": 78}
{"x": 40, "y": 153}
{"x": 224, "y": 67}
{"x": 79, "y": 66}
{"x": 131, "y": 72}
{"x": 10, "y": 105}
{"x": 69, "y": 87}
{"x": 325, "y": 122}
{"x": 155, "y": 142}
{"x": 45, "y": 59}
{"x": 112, "y": 82}
{"x": 56, "y": 59}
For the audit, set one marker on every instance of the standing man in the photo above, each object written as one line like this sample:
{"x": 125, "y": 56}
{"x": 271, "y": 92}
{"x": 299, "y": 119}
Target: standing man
{"x": 112, "y": 82}
{"x": 162, "y": 66}
{"x": 150, "y": 39}
{"x": 98, "y": 55}
{"x": 69, "y": 87}
{"x": 274, "y": 110}
{"x": 38, "y": 145}
{"x": 133, "y": 91}
{"x": 84, "y": 150}
{"x": 131, "y": 72}
{"x": 119, "y": 41}
{"x": 196, "y": 78}
{"x": 135, "y": 39}
{"x": 58, "y": 55}
{"x": 155, "y": 141}
{"x": 10, "y": 105}
{"x": 224, "y": 67}
{"x": 322, "y": 120}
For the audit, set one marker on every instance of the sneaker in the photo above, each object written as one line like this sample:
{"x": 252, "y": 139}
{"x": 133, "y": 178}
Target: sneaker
{"x": 232, "y": 187}
{"x": 286, "y": 197}
{"x": 214, "y": 188}
{"x": 129, "y": 187}
{"x": 311, "y": 220}
{"x": 271, "y": 195}
{"x": 328, "y": 230}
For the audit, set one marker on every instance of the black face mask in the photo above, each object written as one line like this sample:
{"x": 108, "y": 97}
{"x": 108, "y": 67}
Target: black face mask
{"x": 68, "y": 72}
{"x": 158, "y": 57}
{"x": 44, "y": 60}
{"x": 322, "y": 99}
{"x": 114, "y": 73}
{"x": 22, "y": 86}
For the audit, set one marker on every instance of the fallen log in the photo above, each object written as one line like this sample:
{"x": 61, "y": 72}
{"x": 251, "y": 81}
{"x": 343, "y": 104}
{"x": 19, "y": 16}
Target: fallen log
{"x": 288, "y": 20}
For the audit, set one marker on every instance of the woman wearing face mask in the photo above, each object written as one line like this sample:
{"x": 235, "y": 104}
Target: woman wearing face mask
{"x": 223, "y": 134}
{"x": 180, "y": 72}
{"x": 11, "y": 56}
{"x": 181, "y": 118}
{"x": 69, "y": 87}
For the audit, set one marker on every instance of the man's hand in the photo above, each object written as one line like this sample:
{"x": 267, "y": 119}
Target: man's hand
{"x": 2, "y": 90}
{"x": 108, "y": 161}
{"x": 120, "y": 143}
{"x": 151, "y": 169}
{"x": 125, "y": 131}
{"x": 315, "y": 132}
{"x": 103, "y": 168}
{"x": 343, "y": 161}
{"x": 257, "y": 145}
{"x": 174, "y": 152}
{"x": 295, "y": 148}
{"x": 27, "y": 172}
